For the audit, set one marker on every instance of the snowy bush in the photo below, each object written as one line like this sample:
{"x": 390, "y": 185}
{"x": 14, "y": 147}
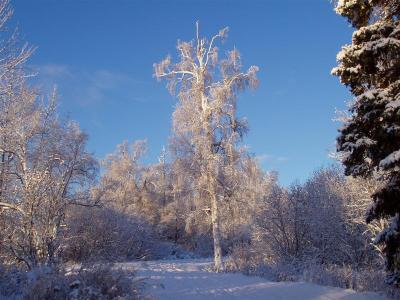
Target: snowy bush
{"x": 10, "y": 280}
{"x": 243, "y": 259}
{"x": 92, "y": 282}
{"x": 364, "y": 279}
{"x": 105, "y": 234}
{"x": 315, "y": 232}
{"x": 99, "y": 282}
{"x": 321, "y": 220}
{"x": 345, "y": 276}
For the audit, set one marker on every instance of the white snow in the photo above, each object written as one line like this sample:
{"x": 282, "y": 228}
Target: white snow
{"x": 191, "y": 279}
{"x": 390, "y": 159}
{"x": 393, "y": 104}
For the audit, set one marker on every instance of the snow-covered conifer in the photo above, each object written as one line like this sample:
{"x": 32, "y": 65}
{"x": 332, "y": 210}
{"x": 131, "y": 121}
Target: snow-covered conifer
{"x": 369, "y": 141}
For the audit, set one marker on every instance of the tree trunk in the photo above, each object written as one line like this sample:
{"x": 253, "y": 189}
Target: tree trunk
{"x": 218, "y": 264}
{"x": 211, "y": 182}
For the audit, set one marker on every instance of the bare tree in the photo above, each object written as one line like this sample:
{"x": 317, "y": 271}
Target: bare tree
{"x": 127, "y": 185}
{"x": 205, "y": 117}
{"x": 13, "y": 54}
{"x": 44, "y": 166}
{"x": 47, "y": 169}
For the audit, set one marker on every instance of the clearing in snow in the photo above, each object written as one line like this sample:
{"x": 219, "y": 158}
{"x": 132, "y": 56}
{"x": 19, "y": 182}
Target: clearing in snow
{"x": 191, "y": 279}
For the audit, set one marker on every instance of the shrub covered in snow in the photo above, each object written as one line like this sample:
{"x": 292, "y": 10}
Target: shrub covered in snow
{"x": 319, "y": 220}
{"x": 343, "y": 276}
{"x": 315, "y": 232}
{"x": 94, "y": 282}
{"x": 105, "y": 234}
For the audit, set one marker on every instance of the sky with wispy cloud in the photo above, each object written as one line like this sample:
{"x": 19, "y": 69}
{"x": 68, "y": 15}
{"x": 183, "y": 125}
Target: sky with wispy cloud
{"x": 99, "y": 55}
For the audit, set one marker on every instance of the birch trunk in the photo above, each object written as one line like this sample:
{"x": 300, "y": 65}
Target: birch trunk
{"x": 218, "y": 264}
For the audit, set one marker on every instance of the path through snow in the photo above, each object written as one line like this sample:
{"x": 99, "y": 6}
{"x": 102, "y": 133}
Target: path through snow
{"x": 189, "y": 279}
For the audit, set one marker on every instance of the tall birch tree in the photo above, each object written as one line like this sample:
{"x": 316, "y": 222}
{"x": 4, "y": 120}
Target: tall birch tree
{"x": 205, "y": 119}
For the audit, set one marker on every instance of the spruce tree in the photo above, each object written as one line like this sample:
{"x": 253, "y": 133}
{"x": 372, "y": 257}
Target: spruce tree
{"x": 369, "y": 141}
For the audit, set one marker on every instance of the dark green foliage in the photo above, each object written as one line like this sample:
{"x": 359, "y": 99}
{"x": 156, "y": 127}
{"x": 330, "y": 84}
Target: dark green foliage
{"x": 369, "y": 141}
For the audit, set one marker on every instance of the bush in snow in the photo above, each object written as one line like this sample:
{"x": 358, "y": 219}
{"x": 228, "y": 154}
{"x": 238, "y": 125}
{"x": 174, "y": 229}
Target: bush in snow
{"x": 315, "y": 232}
{"x": 95, "y": 282}
{"x": 317, "y": 220}
{"x": 10, "y": 281}
{"x": 105, "y": 234}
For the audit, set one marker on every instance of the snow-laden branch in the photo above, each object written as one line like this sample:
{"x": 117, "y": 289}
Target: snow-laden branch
{"x": 5, "y": 205}
{"x": 221, "y": 34}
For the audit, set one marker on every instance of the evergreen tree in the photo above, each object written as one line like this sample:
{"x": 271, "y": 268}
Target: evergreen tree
{"x": 369, "y": 141}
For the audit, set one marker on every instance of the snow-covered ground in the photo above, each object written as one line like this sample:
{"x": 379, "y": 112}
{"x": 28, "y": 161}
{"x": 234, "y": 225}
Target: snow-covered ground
{"x": 190, "y": 279}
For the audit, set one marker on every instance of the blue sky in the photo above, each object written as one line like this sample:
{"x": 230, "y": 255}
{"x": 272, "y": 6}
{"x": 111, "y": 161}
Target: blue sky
{"x": 100, "y": 54}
